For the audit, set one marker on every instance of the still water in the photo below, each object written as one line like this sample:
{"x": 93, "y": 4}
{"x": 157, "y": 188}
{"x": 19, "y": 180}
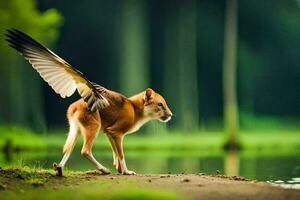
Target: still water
{"x": 263, "y": 166}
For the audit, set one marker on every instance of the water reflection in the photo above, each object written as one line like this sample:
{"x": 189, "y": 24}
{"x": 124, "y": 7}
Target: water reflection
{"x": 252, "y": 165}
{"x": 232, "y": 163}
{"x": 291, "y": 184}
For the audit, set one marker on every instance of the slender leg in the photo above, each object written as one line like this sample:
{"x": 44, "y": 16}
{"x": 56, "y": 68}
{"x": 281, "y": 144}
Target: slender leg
{"x": 119, "y": 144}
{"x": 69, "y": 146}
{"x": 115, "y": 152}
{"x": 89, "y": 135}
{"x": 115, "y": 163}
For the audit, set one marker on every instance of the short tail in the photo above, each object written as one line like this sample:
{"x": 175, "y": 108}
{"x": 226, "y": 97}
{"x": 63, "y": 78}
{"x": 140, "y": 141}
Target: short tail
{"x": 72, "y": 135}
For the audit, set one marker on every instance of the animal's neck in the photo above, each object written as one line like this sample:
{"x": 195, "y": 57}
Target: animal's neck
{"x": 138, "y": 104}
{"x": 140, "y": 118}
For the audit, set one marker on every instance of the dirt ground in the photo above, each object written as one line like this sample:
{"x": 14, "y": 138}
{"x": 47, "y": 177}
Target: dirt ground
{"x": 185, "y": 186}
{"x": 215, "y": 187}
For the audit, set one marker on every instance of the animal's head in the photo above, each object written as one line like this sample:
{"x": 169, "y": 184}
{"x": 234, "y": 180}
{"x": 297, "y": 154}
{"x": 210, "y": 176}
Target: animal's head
{"x": 156, "y": 107}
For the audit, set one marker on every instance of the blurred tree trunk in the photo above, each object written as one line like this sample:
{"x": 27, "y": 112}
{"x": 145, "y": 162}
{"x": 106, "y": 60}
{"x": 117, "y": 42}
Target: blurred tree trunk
{"x": 17, "y": 96}
{"x": 187, "y": 79}
{"x": 25, "y": 105}
{"x": 181, "y": 63}
{"x": 231, "y": 119}
{"x": 170, "y": 63}
{"x": 134, "y": 70}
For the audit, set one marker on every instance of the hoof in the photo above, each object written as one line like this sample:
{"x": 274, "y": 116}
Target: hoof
{"x": 57, "y": 169}
{"x": 104, "y": 171}
{"x": 127, "y": 172}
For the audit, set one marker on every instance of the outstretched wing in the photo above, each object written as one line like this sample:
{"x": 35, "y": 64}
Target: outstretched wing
{"x": 60, "y": 75}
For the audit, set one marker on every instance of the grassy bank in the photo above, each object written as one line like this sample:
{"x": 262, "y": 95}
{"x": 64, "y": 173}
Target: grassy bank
{"x": 26, "y": 183}
{"x": 24, "y": 139}
{"x": 43, "y": 184}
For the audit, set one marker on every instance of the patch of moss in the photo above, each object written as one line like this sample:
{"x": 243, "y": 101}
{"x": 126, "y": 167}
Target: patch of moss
{"x": 26, "y": 184}
{"x": 37, "y": 181}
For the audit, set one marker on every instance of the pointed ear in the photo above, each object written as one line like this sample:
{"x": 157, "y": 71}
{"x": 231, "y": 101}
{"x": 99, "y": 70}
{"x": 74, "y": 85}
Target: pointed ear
{"x": 148, "y": 94}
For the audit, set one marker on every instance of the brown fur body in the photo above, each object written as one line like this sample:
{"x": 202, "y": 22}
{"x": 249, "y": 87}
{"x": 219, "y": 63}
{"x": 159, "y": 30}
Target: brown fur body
{"x": 123, "y": 115}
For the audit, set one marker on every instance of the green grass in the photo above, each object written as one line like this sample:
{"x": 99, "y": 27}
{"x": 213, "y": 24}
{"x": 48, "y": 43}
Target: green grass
{"x": 93, "y": 193}
{"x": 22, "y": 183}
{"x": 20, "y": 138}
{"x": 145, "y": 142}
{"x": 270, "y": 140}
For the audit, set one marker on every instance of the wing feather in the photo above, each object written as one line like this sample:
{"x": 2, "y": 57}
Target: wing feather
{"x": 60, "y": 75}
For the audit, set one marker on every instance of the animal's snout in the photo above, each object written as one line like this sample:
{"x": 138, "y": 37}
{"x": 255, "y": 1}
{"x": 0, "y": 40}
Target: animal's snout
{"x": 169, "y": 115}
{"x": 166, "y": 117}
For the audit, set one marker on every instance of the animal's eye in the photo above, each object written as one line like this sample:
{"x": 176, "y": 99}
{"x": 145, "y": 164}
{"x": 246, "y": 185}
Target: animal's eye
{"x": 160, "y": 104}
